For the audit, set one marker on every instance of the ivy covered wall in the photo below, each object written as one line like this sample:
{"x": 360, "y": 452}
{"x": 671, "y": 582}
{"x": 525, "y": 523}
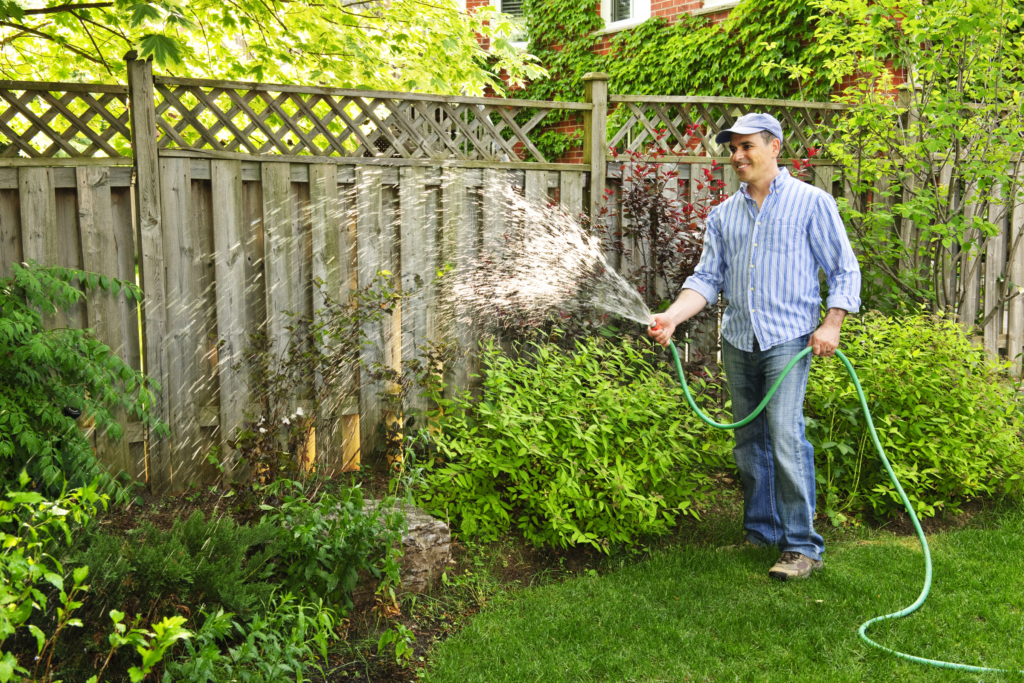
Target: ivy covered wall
{"x": 740, "y": 56}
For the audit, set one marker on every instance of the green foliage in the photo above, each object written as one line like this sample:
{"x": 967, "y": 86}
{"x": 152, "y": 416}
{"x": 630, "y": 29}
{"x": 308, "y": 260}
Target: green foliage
{"x": 30, "y": 528}
{"x": 45, "y": 368}
{"x": 401, "y": 640}
{"x": 591, "y": 447}
{"x": 215, "y": 562}
{"x": 945, "y": 414}
{"x": 325, "y": 541}
{"x": 932, "y": 163}
{"x": 739, "y": 57}
{"x": 327, "y": 345}
{"x": 401, "y": 45}
{"x": 760, "y": 50}
{"x": 747, "y": 55}
{"x": 282, "y": 643}
{"x": 152, "y": 645}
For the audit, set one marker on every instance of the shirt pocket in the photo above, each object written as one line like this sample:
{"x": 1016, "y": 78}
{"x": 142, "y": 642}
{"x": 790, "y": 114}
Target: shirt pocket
{"x": 784, "y": 235}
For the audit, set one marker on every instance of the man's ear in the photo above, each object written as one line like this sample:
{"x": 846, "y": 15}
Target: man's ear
{"x": 777, "y": 145}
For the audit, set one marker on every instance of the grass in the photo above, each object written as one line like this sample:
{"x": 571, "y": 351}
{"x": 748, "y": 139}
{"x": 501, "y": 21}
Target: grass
{"x": 697, "y": 613}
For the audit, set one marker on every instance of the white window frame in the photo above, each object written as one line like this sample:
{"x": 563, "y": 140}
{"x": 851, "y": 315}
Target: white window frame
{"x": 641, "y": 12}
{"x": 712, "y": 6}
{"x": 519, "y": 44}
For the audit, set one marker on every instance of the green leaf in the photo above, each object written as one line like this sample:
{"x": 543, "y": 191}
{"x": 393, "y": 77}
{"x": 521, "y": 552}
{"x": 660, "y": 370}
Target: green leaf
{"x": 165, "y": 51}
{"x": 8, "y": 665}
{"x": 39, "y": 635}
{"x": 142, "y": 12}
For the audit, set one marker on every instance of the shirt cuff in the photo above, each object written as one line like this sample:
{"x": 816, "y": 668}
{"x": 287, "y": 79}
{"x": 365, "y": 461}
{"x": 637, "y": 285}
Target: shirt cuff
{"x": 704, "y": 289}
{"x": 850, "y": 304}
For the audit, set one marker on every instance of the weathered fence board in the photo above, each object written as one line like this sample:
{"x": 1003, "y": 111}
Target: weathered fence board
{"x": 229, "y": 241}
{"x": 10, "y": 231}
{"x": 100, "y": 255}
{"x": 1015, "y": 312}
{"x": 370, "y": 232}
{"x": 182, "y": 248}
{"x": 40, "y": 238}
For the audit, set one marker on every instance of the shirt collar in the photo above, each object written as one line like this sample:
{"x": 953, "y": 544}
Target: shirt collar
{"x": 777, "y": 182}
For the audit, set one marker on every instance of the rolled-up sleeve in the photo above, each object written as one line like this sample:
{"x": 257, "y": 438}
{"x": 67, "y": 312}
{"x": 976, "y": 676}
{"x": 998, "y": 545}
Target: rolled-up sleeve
{"x": 709, "y": 276}
{"x": 831, "y": 249}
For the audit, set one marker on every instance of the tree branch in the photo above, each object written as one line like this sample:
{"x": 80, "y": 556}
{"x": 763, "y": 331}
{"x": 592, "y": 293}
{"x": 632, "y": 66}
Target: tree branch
{"x": 93, "y": 41}
{"x": 46, "y": 36}
{"x": 69, "y": 8}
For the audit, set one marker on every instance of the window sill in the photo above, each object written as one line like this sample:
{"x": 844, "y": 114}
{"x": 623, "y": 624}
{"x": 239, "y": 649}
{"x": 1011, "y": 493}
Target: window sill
{"x": 517, "y": 44}
{"x": 621, "y": 26}
{"x": 716, "y": 8}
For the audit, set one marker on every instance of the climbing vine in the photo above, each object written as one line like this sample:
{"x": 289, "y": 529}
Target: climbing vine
{"x": 739, "y": 57}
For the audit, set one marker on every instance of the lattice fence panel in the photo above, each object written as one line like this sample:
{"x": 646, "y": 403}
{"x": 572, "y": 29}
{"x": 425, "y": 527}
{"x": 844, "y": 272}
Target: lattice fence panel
{"x": 230, "y": 117}
{"x": 41, "y": 120}
{"x": 689, "y": 128}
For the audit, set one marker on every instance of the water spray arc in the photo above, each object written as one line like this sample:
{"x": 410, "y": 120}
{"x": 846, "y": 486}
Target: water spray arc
{"x": 862, "y": 631}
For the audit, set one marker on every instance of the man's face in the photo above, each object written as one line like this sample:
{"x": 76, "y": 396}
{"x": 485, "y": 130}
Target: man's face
{"x": 751, "y": 157}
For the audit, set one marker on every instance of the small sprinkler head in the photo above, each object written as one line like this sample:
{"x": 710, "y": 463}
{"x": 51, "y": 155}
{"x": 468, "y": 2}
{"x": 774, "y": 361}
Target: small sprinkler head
{"x": 655, "y": 326}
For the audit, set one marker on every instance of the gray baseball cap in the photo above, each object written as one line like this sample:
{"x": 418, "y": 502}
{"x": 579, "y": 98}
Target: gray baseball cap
{"x": 751, "y": 123}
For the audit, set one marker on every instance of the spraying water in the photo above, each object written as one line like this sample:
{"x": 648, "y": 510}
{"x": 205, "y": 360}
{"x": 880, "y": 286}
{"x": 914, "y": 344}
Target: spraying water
{"x": 546, "y": 262}
{"x": 510, "y": 256}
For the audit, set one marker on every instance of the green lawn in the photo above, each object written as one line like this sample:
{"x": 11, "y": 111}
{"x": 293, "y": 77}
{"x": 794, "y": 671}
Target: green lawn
{"x": 703, "y": 614}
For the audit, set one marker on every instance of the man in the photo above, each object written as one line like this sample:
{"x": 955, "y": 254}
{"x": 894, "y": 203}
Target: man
{"x": 764, "y": 246}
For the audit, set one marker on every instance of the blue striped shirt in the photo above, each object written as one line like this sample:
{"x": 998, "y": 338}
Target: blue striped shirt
{"x": 767, "y": 262}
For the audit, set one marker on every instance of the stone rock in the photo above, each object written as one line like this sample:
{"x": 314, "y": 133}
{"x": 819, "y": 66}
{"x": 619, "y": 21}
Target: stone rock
{"x": 428, "y": 550}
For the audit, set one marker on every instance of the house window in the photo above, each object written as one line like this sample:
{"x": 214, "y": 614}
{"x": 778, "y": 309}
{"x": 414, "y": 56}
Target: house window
{"x": 514, "y": 8}
{"x": 622, "y": 10}
{"x": 620, "y": 14}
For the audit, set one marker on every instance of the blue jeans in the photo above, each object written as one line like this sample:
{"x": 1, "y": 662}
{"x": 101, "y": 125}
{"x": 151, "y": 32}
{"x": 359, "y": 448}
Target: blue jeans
{"x": 775, "y": 460}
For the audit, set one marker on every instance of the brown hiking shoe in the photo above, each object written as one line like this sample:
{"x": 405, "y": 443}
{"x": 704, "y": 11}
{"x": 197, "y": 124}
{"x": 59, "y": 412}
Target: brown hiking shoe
{"x": 794, "y": 565}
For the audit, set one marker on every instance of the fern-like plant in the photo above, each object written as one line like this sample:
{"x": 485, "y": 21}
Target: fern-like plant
{"x": 44, "y": 369}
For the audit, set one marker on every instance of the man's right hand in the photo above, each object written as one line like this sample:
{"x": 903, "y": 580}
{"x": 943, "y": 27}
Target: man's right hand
{"x": 688, "y": 304}
{"x": 662, "y": 329}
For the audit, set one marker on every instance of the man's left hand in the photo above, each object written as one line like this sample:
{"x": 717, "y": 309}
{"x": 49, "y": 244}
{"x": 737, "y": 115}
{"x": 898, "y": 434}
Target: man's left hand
{"x": 825, "y": 339}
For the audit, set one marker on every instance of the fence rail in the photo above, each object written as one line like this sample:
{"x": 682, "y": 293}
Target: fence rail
{"x": 276, "y": 119}
{"x": 45, "y": 120}
{"x": 685, "y": 127}
{"x": 241, "y": 195}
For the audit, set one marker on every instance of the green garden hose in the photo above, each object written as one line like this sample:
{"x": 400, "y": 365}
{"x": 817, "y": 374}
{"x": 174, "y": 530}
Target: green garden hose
{"x": 892, "y": 476}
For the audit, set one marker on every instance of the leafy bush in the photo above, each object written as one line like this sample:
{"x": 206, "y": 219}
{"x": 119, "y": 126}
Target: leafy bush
{"x": 945, "y": 414}
{"x": 312, "y": 544}
{"x": 215, "y": 562}
{"x": 30, "y": 528}
{"x": 324, "y": 542}
{"x": 43, "y": 370}
{"x": 280, "y": 644}
{"x": 589, "y": 447}
{"x": 327, "y": 345}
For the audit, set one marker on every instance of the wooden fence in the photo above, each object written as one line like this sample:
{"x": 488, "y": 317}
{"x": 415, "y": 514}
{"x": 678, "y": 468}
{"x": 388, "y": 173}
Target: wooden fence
{"x": 231, "y": 199}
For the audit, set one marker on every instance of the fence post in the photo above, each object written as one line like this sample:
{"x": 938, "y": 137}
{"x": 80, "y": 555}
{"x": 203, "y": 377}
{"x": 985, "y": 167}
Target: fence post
{"x": 595, "y": 135}
{"x": 150, "y": 245}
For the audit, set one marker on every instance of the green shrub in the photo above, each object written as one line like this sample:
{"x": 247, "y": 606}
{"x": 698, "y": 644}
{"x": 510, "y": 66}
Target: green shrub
{"x": 43, "y": 370}
{"x": 946, "y": 415}
{"x": 322, "y": 544}
{"x": 285, "y": 641}
{"x": 593, "y": 447}
{"x": 198, "y": 562}
{"x": 31, "y": 528}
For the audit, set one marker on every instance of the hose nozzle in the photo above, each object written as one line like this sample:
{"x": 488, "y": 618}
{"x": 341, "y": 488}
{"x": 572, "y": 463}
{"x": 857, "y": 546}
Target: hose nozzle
{"x": 655, "y": 326}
